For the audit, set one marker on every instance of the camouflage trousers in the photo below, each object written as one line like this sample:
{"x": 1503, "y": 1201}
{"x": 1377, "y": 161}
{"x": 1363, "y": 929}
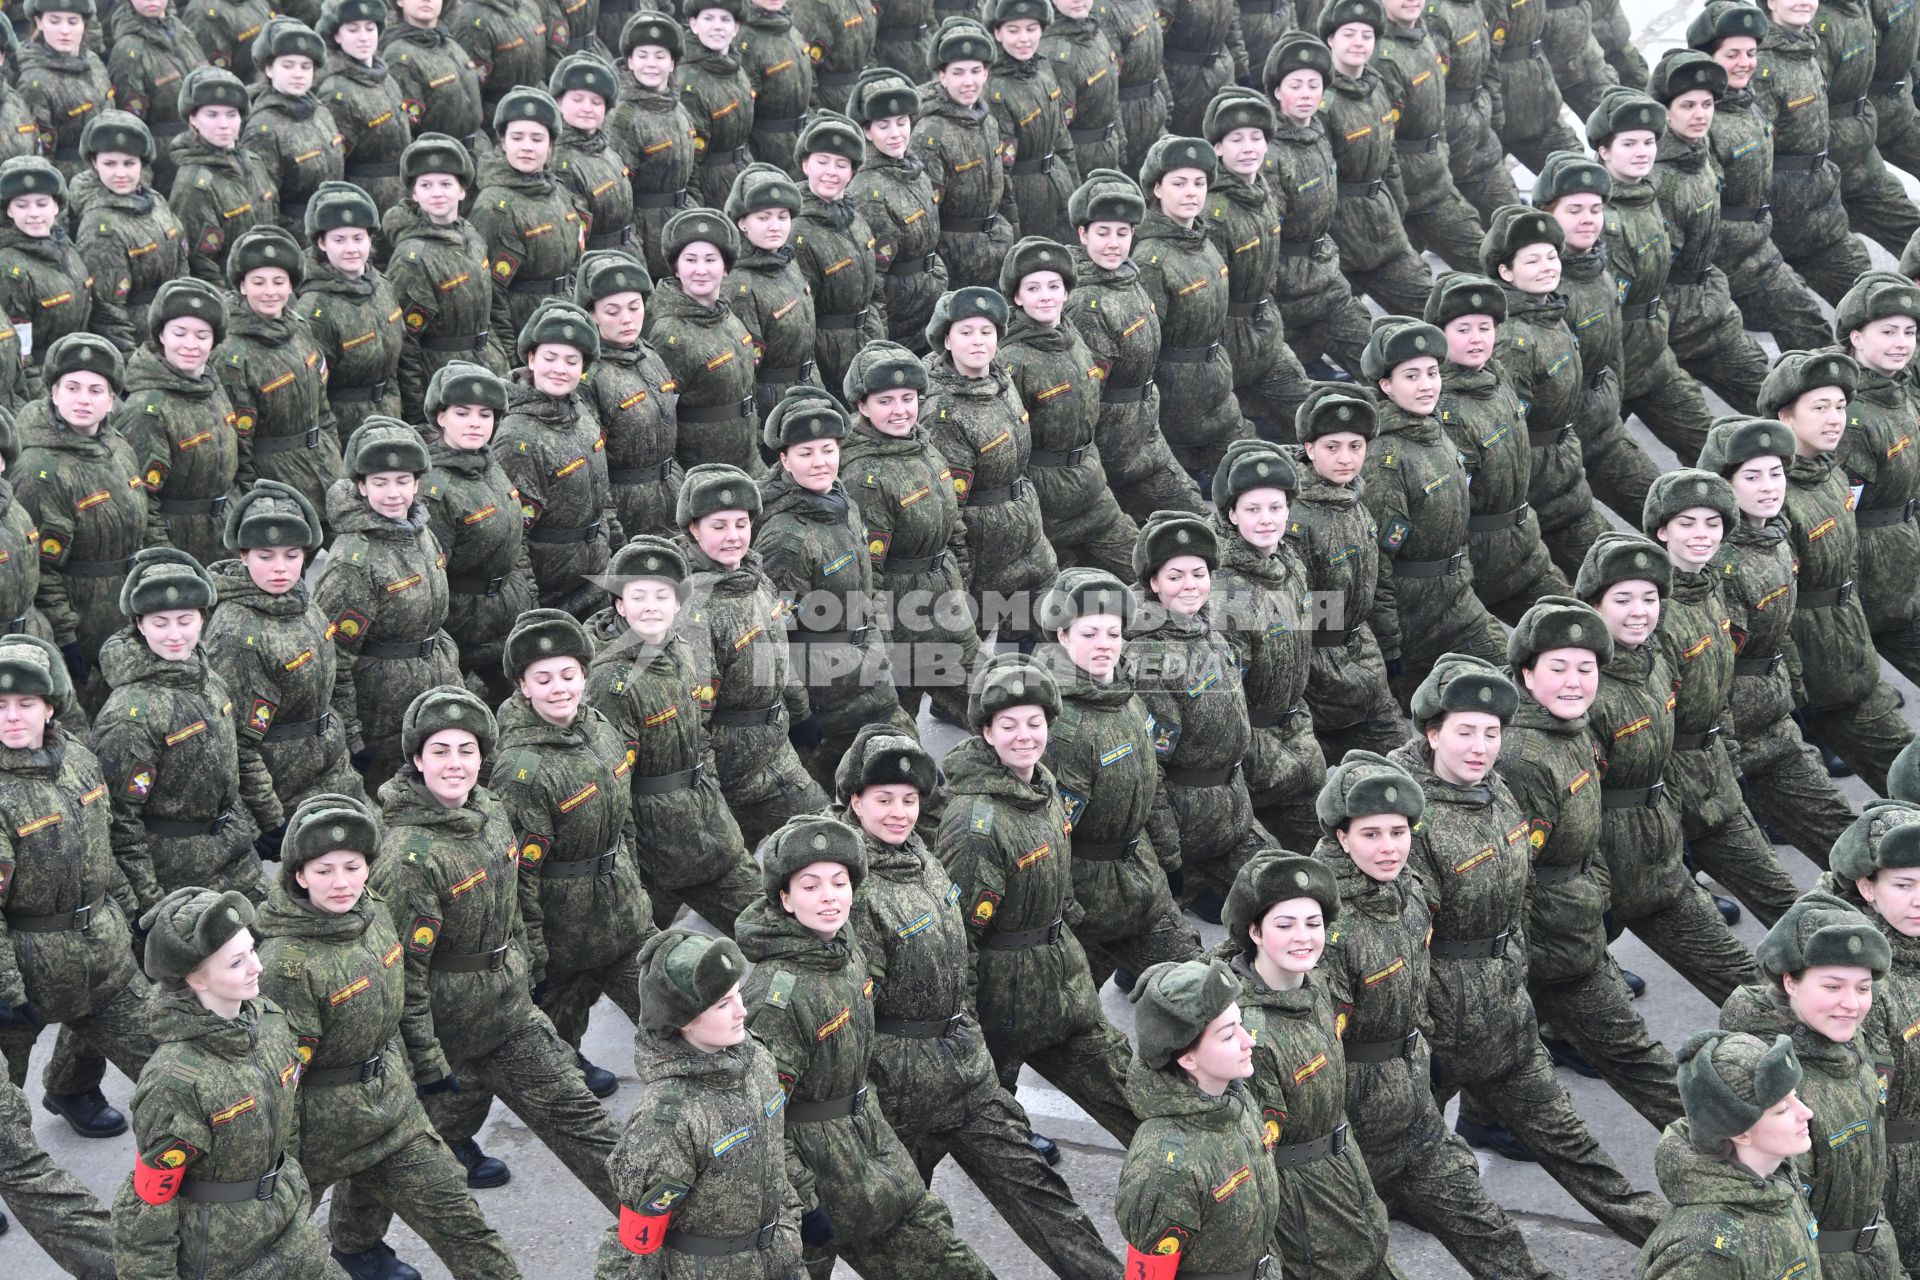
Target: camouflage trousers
{"x": 719, "y": 902}
{"x": 1690, "y": 935}
{"x": 1867, "y": 734}
{"x": 1163, "y": 935}
{"x": 1089, "y": 1064}
{"x": 1400, "y": 284}
{"x": 57, "y": 1211}
{"x": 921, "y": 1244}
{"x": 1830, "y": 266}
{"x": 1773, "y": 298}
{"x": 1330, "y": 323}
{"x": 1618, "y": 470}
{"x": 1901, "y": 647}
{"x": 1741, "y": 859}
{"x": 1161, "y": 486}
{"x": 1707, "y": 338}
{"x": 427, "y": 1187}
{"x": 1449, "y": 228}
{"x": 1788, "y": 790}
{"x": 1878, "y": 206}
{"x": 1672, "y": 406}
{"x": 117, "y": 1032}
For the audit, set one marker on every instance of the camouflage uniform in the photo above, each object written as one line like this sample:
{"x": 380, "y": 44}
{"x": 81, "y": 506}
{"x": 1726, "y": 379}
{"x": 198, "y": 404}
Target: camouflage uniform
{"x": 1747, "y": 1227}
{"x": 275, "y": 376}
{"x": 655, "y": 136}
{"x": 1476, "y": 111}
{"x": 896, "y": 198}
{"x": 840, "y": 38}
{"x": 1640, "y": 246}
{"x": 1896, "y": 46}
{"x": 588, "y": 165}
{"x": 1041, "y": 168}
{"x": 439, "y": 86}
{"x": 473, "y": 510}
{"x": 1617, "y": 468}
{"x": 552, "y": 451}
{"x": 358, "y": 326}
{"x": 1133, "y": 28}
{"x": 187, "y": 466}
{"x": 1580, "y": 68}
{"x": 698, "y": 342}
{"x": 507, "y": 40}
{"x": 369, "y": 106}
{"x": 769, "y": 295}
{"x": 965, "y": 157}
{"x": 630, "y": 392}
{"x": 446, "y": 305}
{"x": 1878, "y": 206}
{"x": 719, "y": 98}
{"x": 226, "y": 29}
{"x": 48, "y": 292}
{"x": 774, "y": 53}
{"x": 63, "y": 91}
{"x": 833, "y": 247}
{"x": 135, "y": 238}
{"x": 1527, "y": 106}
{"x": 59, "y": 1213}
{"x": 1244, "y": 222}
{"x": 1195, "y": 370}
{"x": 531, "y": 227}
{"x": 1368, "y": 226}
{"x": 1087, "y": 70}
{"x": 20, "y": 548}
{"x": 1321, "y": 315}
{"x": 1005, "y": 843}
{"x": 1203, "y": 51}
{"x": 148, "y": 59}
{"x": 299, "y": 146}
{"x": 1413, "y": 63}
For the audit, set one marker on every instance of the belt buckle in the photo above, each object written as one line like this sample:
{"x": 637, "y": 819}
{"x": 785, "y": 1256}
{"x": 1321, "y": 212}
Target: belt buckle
{"x": 860, "y": 1100}
{"x": 1454, "y": 562}
{"x": 605, "y": 862}
{"x": 426, "y": 647}
{"x": 1654, "y": 793}
{"x": 1260, "y": 1267}
{"x": 322, "y": 724}
{"x": 1912, "y": 505}
{"x": 1707, "y": 738}
{"x": 858, "y": 636}
{"x": 1409, "y": 1043}
{"x": 219, "y": 824}
{"x": 1773, "y": 663}
{"x": 1054, "y": 930}
{"x": 1338, "y": 1141}
{"x": 1500, "y": 944}
{"x": 1845, "y": 592}
{"x": 763, "y": 1239}
{"x": 369, "y": 1070}
{"x": 953, "y": 1025}
{"x": 1520, "y": 514}
{"x": 220, "y": 503}
{"x": 267, "y": 1181}
{"x": 494, "y": 584}
{"x": 1863, "y": 1243}
{"x": 497, "y": 959}
{"x": 313, "y": 436}
{"x": 929, "y": 262}
{"x": 746, "y": 406}
{"x": 1212, "y": 347}
{"x": 83, "y": 917}
{"x": 480, "y": 341}
{"x": 806, "y": 366}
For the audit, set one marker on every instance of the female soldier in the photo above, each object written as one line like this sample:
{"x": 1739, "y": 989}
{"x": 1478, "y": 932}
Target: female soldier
{"x": 1173, "y": 253}
{"x": 653, "y": 131}
{"x": 1100, "y": 748}
{"x": 834, "y": 248}
{"x": 765, "y": 288}
{"x": 289, "y": 127}
{"x": 966, "y": 159}
{"x": 930, "y": 1065}
{"x": 274, "y": 372}
{"x": 813, "y": 545}
{"x": 440, "y": 88}
{"x": 124, "y": 229}
{"x": 1415, "y": 488}
{"x": 1025, "y": 101}
{"x": 268, "y": 640}
{"x": 780, "y": 68}
{"x": 475, "y": 517}
{"x": 717, "y": 93}
{"x": 855, "y": 1180}
{"x": 550, "y": 447}
{"x": 701, "y": 1074}
{"x": 647, "y": 680}
{"x": 220, "y": 189}
{"x": 62, "y": 81}
{"x": 216, "y": 1170}
{"x": 226, "y": 29}
{"x": 914, "y": 533}
{"x": 445, "y": 305}
{"x": 1277, "y": 915}
{"x": 980, "y": 427}
{"x": 1133, "y": 28}
{"x": 384, "y": 588}
{"x": 1338, "y": 543}
{"x": 20, "y": 547}
{"x": 323, "y": 932}
{"x": 1689, "y": 512}
{"x": 507, "y": 40}
{"x": 1821, "y": 961}
{"x": 561, "y": 776}
{"x": 529, "y": 223}
{"x": 367, "y": 103}
{"x": 1036, "y": 1000}
{"x": 151, "y": 48}
{"x": 1471, "y": 850}
{"x": 166, "y": 728}
{"x": 708, "y": 351}
{"x": 1086, "y": 67}
{"x": 1216, "y": 1204}
{"x": 48, "y": 289}
{"x": 350, "y": 308}
{"x": 631, "y": 392}
{"x": 583, "y": 87}
{"x": 178, "y": 419}
{"x": 1260, "y": 593}
{"x": 759, "y": 703}
{"x": 1377, "y": 965}
{"x": 79, "y": 479}
{"x": 1845, "y": 705}
{"x": 1726, "y": 1165}
{"x": 1626, "y": 578}
{"x": 894, "y": 192}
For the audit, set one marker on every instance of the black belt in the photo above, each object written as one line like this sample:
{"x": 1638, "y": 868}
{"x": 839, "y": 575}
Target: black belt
{"x": 659, "y": 200}
{"x": 1745, "y": 212}
{"x": 1878, "y": 518}
{"x": 66, "y": 154}
{"x": 586, "y": 533}
{"x": 608, "y": 239}
{"x": 1320, "y": 1148}
{"x": 918, "y": 1028}
{"x": 286, "y": 730}
{"x": 1199, "y": 777}
{"x": 720, "y": 1246}
{"x": 1188, "y": 355}
{"x": 1417, "y": 146}
{"x": 1856, "y": 107}
{"x": 1899, "y": 1131}
{"x": 1135, "y": 92}
{"x": 1258, "y": 1271}
{"x": 1802, "y": 163}
{"x": 471, "y": 961}
{"x": 1632, "y": 797}
{"x": 968, "y": 226}
{"x": 372, "y": 169}
{"x": 1551, "y": 438}
{"x": 76, "y": 921}
{"x": 1086, "y": 850}
{"x": 660, "y": 784}
{"x": 908, "y": 564}
{"x": 856, "y": 637}
{"x": 177, "y": 828}
{"x": 741, "y": 717}
{"x": 372, "y": 391}
{"x": 1023, "y": 939}
{"x": 1300, "y": 248}
{"x": 1126, "y": 395}
{"x": 94, "y": 568}
{"x": 310, "y": 439}
{"x": 1471, "y": 948}
{"x": 840, "y": 320}
{"x": 1459, "y": 97}
{"x": 1359, "y": 190}
{"x": 1560, "y": 874}
{"x": 1858, "y": 1240}
{"x": 1259, "y": 718}
{"x": 475, "y": 342}
{"x": 1058, "y": 457}
{"x": 325, "y": 1077}
{"x": 1040, "y": 164}
{"x": 1499, "y": 520}
{"x": 397, "y": 650}
{"x": 200, "y": 506}
{"x": 1640, "y": 311}
{"x": 581, "y": 868}
{"x": 1191, "y": 57}
{"x": 142, "y": 297}
{"x": 475, "y": 586}
{"x": 1686, "y": 279}
{"x": 642, "y": 475}
{"x": 260, "y": 1188}
{"x": 991, "y": 497}
{"x": 166, "y": 128}
{"x": 1886, "y": 87}
{"x": 832, "y": 1109}
{"x": 1695, "y": 741}
{"x": 542, "y": 284}
{"x": 1758, "y": 666}
{"x": 734, "y": 155}
{"x": 1430, "y": 568}
{"x": 905, "y": 267}
{"x": 1090, "y": 137}
{"x": 728, "y": 412}
{"x": 1249, "y": 310}
{"x": 1384, "y": 1050}
{"x": 901, "y": 33}
{"x": 1827, "y": 597}
{"x": 1519, "y": 52}
{"x": 1332, "y": 638}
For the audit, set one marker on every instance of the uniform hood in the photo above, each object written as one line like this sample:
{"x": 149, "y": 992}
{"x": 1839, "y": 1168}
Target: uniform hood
{"x": 404, "y": 802}
{"x": 1688, "y": 1176}
{"x": 521, "y": 726}
{"x": 1077, "y": 686}
{"x": 1375, "y": 899}
{"x": 1584, "y": 264}
{"x": 237, "y": 586}
{"x": 494, "y": 171}
{"x": 1298, "y": 1003}
{"x": 1090, "y": 272}
{"x": 657, "y": 1058}
{"x": 1422, "y": 429}
{"x": 189, "y": 148}
{"x": 39, "y": 429}
{"x": 1531, "y": 715}
{"x": 1154, "y": 1093}
{"x": 1412, "y": 757}
{"x": 1316, "y": 488}
{"x": 324, "y": 278}
{"x": 766, "y": 933}
{"x": 125, "y": 659}
{"x": 175, "y": 1016}
{"x": 1548, "y": 311}
{"x": 1158, "y": 226}
{"x": 528, "y": 401}
{"x": 973, "y": 769}
{"x": 148, "y": 370}
{"x": 287, "y": 915}
{"x": 709, "y": 576}
{"x": 780, "y": 492}
{"x": 1760, "y": 1008}
{"x": 670, "y": 299}
{"x": 348, "y": 512}
{"x": 944, "y": 379}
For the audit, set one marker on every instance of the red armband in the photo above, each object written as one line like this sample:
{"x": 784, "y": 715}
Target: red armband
{"x": 158, "y": 1183}
{"x": 1151, "y": 1266}
{"x": 643, "y": 1233}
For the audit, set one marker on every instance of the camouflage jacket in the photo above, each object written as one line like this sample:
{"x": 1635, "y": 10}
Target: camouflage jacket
{"x": 301, "y": 146}
{"x": 634, "y": 396}
{"x": 357, "y": 325}
{"x": 439, "y": 85}
{"x": 369, "y": 106}
{"x": 555, "y": 453}
{"x": 275, "y": 374}
{"x": 181, "y": 431}
{"x": 474, "y": 512}
{"x": 711, "y": 356}
{"x": 219, "y": 192}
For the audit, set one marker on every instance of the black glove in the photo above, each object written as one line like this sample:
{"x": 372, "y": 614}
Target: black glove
{"x": 78, "y": 663}
{"x": 1176, "y": 881}
{"x": 446, "y": 1084}
{"x": 361, "y": 760}
{"x": 20, "y": 1015}
{"x": 1205, "y": 480}
{"x": 807, "y": 733}
{"x": 816, "y": 1227}
{"x": 267, "y": 843}
{"x": 1394, "y": 668}
{"x": 539, "y": 990}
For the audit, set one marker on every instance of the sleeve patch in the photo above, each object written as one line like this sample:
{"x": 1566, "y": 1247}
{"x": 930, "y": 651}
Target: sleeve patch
{"x": 425, "y": 932}
{"x": 533, "y": 851}
{"x": 351, "y": 624}
{"x": 140, "y": 781}
{"x": 984, "y": 906}
{"x": 1395, "y": 534}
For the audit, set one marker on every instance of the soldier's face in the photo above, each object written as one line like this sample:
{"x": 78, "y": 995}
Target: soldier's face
{"x": 1792, "y": 14}
{"x": 1818, "y": 420}
{"x": 439, "y": 196}
{"x": 218, "y": 125}
{"x": 620, "y": 317}
{"x": 229, "y": 976}
{"x": 83, "y": 401}
{"x": 1895, "y": 894}
{"x": 118, "y": 171}
{"x": 722, "y": 1026}
{"x": 1740, "y": 55}
{"x": 1535, "y": 270}
{"x": 1465, "y": 746}
{"x": 1300, "y": 93}
{"x": 583, "y": 109}
{"x": 1831, "y": 999}
{"x": 887, "y": 812}
{"x": 150, "y": 9}
{"x": 1630, "y": 155}
{"x": 449, "y": 765}
{"x": 1291, "y": 936}
{"x": 1405, "y": 12}
{"x": 23, "y": 721}
{"x": 1019, "y": 37}
{"x": 972, "y": 343}
{"x": 1338, "y": 457}
{"x": 1779, "y": 1134}
{"x": 424, "y": 14}
{"x": 1631, "y": 611}
{"x": 1414, "y": 385}
{"x": 1581, "y": 217}
{"x": 1043, "y": 296}
{"x": 1224, "y": 1052}
{"x": 358, "y": 40}
{"x": 1182, "y": 193}
{"x": 1884, "y": 345}
{"x": 895, "y": 411}
{"x": 649, "y": 605}
{"x": 1075, "y": 9}
{"x": 1018, "y": 735}
{"x": 34, "y": 213}
{"x": 1470, "y": 340}
{"x": 768, "y": 229}
{"x": 701, "y": 270}
{"x": 1760, "y": 487}
{"x": 172, "y": 634}
{"x": 1691, "y": 114}
{"x": 63, "y": 32}
{"x": 556, "y": 368}
{"x": 1094, "y": 643}
{"x": 963, "y": 80}
{"x": 827, "y": 175}
{"x": 554, "y": 686}
{"x": 819, "y": 897}
{"x": 1260, "y": 517}
{"x": 348, "y": 249}
{"x": 1107, "y": 243}
{"x": 334, "y": 881}
{"x": 651, "y": 65}
{"x": 891, "y": 135}
{"x": 275, "y": 569}
{"x": 267, "y": 290}
{"x": 724, "y": 536}
{"x": 1182, "y": 585}
{"x": 1564, "y": 681}
{"x": 1693, "y": 537}
{"x": 389, "y": 493}
{"x": 467, "y": 427}
{"x": 1243, "y": 151}
{"x": 526, "y": 144}
{"x": 1352, "y": 47}
{"x": 1378, "y": 844}
{"x": 714, "y": 29}
{"x": 813, "y": 464}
